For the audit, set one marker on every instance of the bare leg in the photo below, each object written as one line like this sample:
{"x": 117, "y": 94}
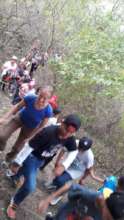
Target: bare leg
{"x": 7, "y": 129}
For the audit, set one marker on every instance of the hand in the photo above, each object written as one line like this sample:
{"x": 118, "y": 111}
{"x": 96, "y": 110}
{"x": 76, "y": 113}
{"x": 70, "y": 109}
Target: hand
{"x": 43, "y": 206}
{"x": 59, "y": 170}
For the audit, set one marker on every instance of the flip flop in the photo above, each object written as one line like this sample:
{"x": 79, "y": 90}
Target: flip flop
{"x": 11, "y": 213}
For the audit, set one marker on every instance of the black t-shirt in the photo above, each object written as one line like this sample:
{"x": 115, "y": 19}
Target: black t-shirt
{"x": 47, "y": 142}
{"x": 115, "y": 204}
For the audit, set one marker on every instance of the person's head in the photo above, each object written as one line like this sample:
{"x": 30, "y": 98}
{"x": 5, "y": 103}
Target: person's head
{"x": 85, "y": 143}
{"x": 14, "y": 59}
{"x": 121, "y": 183}
{"x": 53, "y": 101}
{"x": 69, "y": 125}
{"x": 44, "y": 96}
{"x": 38, "y": 89}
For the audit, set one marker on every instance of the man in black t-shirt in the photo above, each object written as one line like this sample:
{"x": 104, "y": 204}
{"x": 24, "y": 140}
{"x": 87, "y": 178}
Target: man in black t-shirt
{"x": 45, "y": 146}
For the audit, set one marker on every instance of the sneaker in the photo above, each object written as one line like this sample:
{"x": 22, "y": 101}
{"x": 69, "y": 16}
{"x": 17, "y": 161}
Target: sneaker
{"x": 9, "y": 173}
{"x": 49, "y": 216}
{"x": 56, "y": 200}
{"x": 11, "y": 213}
{"x": 4, "y": 165}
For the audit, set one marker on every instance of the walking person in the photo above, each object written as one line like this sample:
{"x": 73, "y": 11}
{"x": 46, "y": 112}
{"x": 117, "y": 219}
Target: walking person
{"x": 45, "y": 146}
{"x": 30, "y": 114}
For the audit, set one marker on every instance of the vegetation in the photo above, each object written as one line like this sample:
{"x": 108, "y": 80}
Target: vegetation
{"x": 90, "y": 77}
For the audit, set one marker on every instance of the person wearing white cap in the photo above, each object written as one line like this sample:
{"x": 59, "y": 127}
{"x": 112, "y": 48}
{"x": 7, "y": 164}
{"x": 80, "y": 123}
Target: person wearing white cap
{"x": 11, "y": 64}
{"x": 9, "y": 67}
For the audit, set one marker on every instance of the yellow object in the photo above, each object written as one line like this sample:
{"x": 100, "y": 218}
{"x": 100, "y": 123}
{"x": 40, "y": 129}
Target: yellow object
{"x": 107, "y": 192}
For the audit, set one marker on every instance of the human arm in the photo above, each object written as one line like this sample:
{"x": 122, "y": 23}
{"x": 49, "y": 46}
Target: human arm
{"x": 59, "y": 158}
{"x": 12, "y": 111}
{"x": 48, "y": 112}
{"x": 93, "y": 176}
{"x": 71, "y": 148}
{"x": 44, "y": 204}
{"x": 43, "y": 123}
{"x": 60, "y": 168}
{"x": 39, "y": 128}
{"x": 90, "y": 172}
{"x": 101, "y": 203}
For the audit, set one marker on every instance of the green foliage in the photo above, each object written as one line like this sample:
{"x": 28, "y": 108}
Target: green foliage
{"x": 94, "y": 66}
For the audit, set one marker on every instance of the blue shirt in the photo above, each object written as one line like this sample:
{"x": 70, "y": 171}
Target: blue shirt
{"x": 30, "y": 116}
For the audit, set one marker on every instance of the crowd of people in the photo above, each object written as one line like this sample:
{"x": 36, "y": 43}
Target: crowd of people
{"x": 44, "y": 135}
{"x": 17, "y": 76}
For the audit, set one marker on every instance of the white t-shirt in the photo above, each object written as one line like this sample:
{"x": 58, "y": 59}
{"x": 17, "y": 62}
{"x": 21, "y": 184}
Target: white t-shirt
{"x": 51, "y": 121}
{"x": 8, "y": 66}
{"x": 84, "y": 160}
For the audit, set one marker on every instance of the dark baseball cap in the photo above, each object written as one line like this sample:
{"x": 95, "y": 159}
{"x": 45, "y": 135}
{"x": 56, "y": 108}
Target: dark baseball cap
{"x": 73, "y": 120}
{"x": 85, "y": 143}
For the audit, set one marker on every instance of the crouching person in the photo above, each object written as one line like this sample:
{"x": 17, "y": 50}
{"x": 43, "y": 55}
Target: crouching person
{"x": 87, "y": 203}
{"x": 76, "y": 167}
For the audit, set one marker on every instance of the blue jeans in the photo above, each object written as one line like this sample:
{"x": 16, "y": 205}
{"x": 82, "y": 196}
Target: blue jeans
{"x": 29, "y": 171}
{"x": 59, "y": 181}
{"x": 80, "y": 199}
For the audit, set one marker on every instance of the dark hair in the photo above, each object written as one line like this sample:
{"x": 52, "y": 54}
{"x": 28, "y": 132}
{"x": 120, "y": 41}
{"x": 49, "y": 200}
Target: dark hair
{"x": 38, "y": 89}
{"x": 73, "y": 120}
{"x": 85, "y": 143}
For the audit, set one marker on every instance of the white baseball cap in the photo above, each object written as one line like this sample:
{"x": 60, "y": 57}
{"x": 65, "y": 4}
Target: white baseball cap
{"x": 14, "y": 58}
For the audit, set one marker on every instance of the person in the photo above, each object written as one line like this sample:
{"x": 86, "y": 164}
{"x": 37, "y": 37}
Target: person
{"x": 23, "y": 154}
{"x": 8, "y": 68}
{"x": 55, "y": 119}
{"x": 10, "y": 65}
{"x": 35, "y": 60}
{"x": 30, "y": 114}
{"x": 45, "y": 146}
{"x": 53, "y": 101}
{"x": 22, "y": 90}
{"x": 76, "y": 168}
{"x": 85, "y": 202}
{"x": 45, "y": 57}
